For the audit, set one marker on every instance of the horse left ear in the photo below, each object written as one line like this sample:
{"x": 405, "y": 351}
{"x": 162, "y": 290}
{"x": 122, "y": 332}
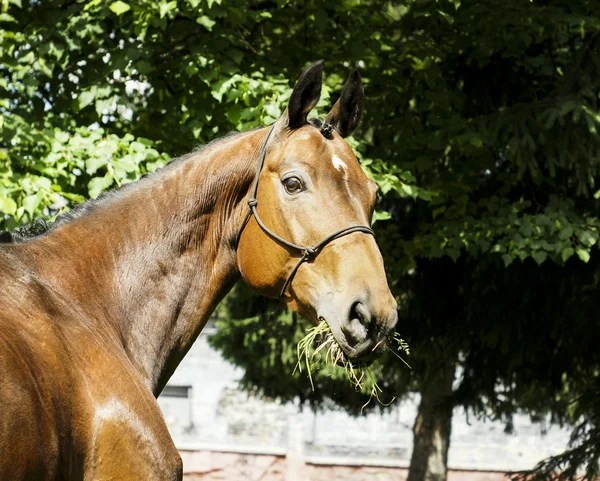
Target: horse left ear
{"x": 347, "y": 111}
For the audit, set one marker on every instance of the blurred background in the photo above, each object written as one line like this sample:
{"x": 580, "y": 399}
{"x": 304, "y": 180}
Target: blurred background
{"x": 225, "y": 432}
{"x": 480, "y": 128}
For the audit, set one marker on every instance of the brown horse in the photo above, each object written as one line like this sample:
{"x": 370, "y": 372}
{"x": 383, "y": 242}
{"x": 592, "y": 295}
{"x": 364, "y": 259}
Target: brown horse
{"x": 97, "y": 312}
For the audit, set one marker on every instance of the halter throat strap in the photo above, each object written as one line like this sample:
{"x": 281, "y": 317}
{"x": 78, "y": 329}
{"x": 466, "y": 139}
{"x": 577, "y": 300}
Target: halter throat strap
{"x": 308, "y": 252}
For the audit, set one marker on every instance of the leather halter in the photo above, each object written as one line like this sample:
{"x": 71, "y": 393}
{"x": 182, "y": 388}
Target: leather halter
{"x": 308, "y": 252}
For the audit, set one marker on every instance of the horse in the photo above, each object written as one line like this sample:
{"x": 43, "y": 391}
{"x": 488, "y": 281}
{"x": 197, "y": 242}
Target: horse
{"x": 97, "y": 311}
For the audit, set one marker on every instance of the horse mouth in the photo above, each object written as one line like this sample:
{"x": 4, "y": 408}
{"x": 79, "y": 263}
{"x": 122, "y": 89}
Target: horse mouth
{"x": 335, "y": 354}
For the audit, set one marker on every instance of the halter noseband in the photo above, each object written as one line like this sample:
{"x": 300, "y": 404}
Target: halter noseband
{"x": 307, "y": 252}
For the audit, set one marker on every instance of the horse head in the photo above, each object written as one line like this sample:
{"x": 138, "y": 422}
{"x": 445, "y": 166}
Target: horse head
{"x": 306, "y": 238}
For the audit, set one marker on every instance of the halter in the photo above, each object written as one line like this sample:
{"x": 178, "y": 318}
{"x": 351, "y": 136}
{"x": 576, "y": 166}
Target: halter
{"x": 308, "y": 252}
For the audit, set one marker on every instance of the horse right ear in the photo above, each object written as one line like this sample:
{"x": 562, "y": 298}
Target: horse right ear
{"x": 305, "y": 96}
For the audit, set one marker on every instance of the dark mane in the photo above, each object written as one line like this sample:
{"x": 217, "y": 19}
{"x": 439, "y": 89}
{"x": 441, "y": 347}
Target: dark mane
{"x": 21, "y": 234}
{"x": 40, "y": 226}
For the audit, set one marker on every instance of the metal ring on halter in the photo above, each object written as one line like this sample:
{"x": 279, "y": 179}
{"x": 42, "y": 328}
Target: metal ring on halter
{"x": 307, "y": 252}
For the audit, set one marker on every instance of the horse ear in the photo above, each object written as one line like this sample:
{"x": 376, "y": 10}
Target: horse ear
{"x": 347, "y": 111}
{"x": 305, "y": 96}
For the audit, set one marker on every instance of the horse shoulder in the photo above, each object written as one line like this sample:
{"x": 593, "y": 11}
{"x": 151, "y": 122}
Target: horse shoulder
{"x": 71, "y": 402}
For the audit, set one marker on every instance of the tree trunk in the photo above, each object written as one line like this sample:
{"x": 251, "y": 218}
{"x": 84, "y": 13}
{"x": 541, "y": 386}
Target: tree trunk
{"x": 429, "y": 460}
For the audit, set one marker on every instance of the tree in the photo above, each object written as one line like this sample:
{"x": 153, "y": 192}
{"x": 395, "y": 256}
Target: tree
{"x": 480, "y": 129}
{"x": 497, "y": 125}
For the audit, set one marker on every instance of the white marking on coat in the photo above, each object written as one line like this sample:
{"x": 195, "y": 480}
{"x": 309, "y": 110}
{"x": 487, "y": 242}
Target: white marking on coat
{"x": 338, "y": 163}
{"x": 115, "y": 412}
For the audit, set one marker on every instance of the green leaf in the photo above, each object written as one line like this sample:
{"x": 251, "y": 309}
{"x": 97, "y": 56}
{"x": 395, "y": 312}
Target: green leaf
{"x": 539, "y": 257}
{"x": 453, "y": 253}
{"x": 74, "y": 197}
{"x": 94, "y": 163}
{"x": 7, "y": 206}
{"x": 125, "y": 164}
{"x": 526, "y": 228}
{"x": 43, "y": 183}
{"x": 408, "y": 190}
{"x": 583, "y": 254}
{"x": 165, "y": 8}
{"x": 99, "y": 184}
{"x": 30, "y": 204}
{"x": 380, "y": 215}
{"x": 588, "y": 238}
{"x": 273, "y": 110}
{"x": 567, "y": 253}
{"x": 85, "y": 98}
{"x": 565, "y": 233}
{"x": 476, "y": 142}
{"x": 5, "y": 17}
{"x": 508, "y": 259}
{"x": 92, "y": 4}
{"x": 119, "y": 7}
{"x": 206, "y": 22}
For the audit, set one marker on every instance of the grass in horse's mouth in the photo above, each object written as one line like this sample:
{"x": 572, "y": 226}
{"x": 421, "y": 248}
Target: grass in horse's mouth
{"x": 329, "y": 353}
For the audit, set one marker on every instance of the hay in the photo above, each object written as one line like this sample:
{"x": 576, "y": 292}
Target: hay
{"x": 329, "y": 353}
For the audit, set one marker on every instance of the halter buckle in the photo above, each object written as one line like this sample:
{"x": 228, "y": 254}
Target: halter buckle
{"x": 309, "y": 252}
{"x": 252, "y": 202}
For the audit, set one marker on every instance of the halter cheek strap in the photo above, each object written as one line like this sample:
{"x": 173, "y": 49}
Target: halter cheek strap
{"x": 308, "y": 252}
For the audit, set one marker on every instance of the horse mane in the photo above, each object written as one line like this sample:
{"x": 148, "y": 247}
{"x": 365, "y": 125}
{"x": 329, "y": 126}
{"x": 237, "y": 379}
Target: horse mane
{"x": 21, "y": 234}
{"x": 40, "y": 226}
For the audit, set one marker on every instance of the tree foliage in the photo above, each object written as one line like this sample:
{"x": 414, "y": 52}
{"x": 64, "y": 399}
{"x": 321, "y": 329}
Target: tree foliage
{"x": 481, "y": 129}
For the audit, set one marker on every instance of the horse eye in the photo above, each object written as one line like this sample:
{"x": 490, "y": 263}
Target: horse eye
{"x": 293, "y": 185}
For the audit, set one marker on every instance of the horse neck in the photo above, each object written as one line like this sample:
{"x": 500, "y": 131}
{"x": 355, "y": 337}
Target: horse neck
{"x": 150, "y": 264}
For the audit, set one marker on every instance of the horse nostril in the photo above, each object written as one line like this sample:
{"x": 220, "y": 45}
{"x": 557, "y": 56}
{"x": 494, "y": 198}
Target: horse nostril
{"x": 355, "y": 327}
{"x": 359, "y": 312}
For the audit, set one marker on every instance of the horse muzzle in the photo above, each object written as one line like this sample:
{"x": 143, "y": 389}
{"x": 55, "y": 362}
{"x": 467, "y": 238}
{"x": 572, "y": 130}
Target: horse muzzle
{"x": 363, "y": 331}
